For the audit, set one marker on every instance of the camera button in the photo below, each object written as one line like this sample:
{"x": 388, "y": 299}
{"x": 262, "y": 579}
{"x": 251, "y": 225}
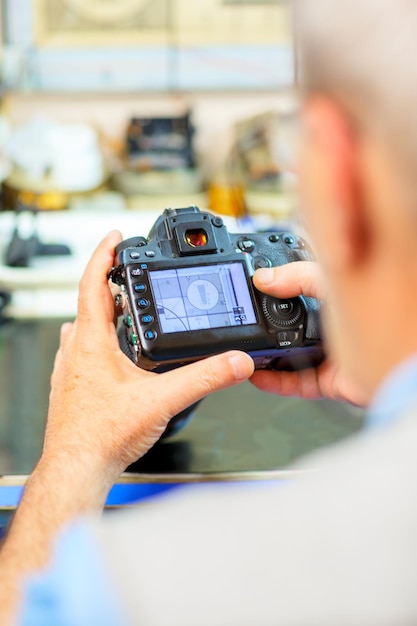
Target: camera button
{"x": 150, "y": 335}
{"x": 150, "y": 253}
{"x": 146, "y": 319}
{"x": 133, "y": 339}
{"x": 287, "y": 338}
{"x": 134, "y": 255}
{"x": 246, "y": 245}
{"x": 127, "y": 321}
{"x": 261, "y": 261}
{"x": 282, "y": 313}
{"x": 137, "y": 271}
{"x": 140, "y": 288}
{"x": 143, "y": 303}
{"x": 283, "y": 307}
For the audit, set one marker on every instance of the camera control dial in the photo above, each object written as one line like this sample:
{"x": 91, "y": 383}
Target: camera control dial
{"x": 282, "y": 313}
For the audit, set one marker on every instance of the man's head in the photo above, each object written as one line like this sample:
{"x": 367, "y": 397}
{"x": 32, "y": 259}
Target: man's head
{"x": 358, "y": 156}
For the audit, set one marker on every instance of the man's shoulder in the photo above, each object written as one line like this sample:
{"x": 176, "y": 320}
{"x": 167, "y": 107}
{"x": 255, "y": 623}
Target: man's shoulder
{"x": 380, "y": 463}
{"x": 393, "y": 446}
{"x": 344, "y": 529}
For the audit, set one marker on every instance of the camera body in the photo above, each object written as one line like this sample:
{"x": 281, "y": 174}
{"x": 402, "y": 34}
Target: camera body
{"x": 186, "y": 292}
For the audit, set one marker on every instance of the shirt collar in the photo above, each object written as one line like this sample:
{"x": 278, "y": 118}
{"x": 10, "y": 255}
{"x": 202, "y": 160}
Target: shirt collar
{"x": 397, "y": 391}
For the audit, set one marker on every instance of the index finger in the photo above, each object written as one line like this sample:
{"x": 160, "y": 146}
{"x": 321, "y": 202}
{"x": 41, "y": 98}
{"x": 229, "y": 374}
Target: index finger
{"x": 291, "y": 280}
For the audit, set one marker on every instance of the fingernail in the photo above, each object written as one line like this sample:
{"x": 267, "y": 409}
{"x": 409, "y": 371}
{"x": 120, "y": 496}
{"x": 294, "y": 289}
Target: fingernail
{"x": 111, "y": 233}
{"x": 265, "y": 275}
{"x": 65, "y": 331}
{"x": 242, "y": 367}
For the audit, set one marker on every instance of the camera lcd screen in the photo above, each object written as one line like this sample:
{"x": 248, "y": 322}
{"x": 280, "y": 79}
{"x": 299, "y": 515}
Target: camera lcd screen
{"x": 207, "y": 296}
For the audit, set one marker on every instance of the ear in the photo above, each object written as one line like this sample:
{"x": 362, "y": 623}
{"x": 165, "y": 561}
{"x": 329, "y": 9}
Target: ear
{"x": 339, "y": 222}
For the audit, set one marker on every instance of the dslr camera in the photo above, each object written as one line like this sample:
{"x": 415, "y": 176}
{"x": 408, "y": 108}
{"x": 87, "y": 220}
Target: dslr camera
{"x": 186, "y": 292}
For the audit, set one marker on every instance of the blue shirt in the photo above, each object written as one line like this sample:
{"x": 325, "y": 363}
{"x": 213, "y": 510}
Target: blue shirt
{"x": 398, "y": 391}
{"x": 77, "y": 591}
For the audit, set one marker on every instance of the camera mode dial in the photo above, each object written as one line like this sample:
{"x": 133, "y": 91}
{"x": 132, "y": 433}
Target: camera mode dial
{"x": 282, "y": 313}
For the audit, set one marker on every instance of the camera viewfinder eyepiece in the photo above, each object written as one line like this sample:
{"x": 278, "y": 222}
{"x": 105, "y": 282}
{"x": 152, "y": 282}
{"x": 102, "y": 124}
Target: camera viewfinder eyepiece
{"x": 196, "y": 237}
{"x": 192, "y": 239}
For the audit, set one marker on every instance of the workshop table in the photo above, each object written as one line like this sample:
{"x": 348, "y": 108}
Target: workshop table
{"x": 235, "y": 434}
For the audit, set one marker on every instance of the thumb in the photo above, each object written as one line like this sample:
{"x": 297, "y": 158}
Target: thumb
{"x": 199, "y": 379}
{"x": 95, "y": 301}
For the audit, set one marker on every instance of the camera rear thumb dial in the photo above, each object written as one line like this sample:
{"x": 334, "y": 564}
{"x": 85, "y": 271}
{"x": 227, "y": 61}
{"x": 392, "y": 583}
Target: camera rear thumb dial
{"x": 282, "y": 312}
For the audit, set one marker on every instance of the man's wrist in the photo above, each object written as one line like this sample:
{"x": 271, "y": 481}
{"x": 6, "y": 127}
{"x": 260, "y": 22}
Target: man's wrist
{"x": 77, "y": 481}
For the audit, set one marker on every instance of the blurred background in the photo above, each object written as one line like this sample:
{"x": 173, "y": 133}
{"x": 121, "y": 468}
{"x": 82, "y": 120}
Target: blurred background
{"x": 156, "y": 100}
{"x": 111, "y": 111}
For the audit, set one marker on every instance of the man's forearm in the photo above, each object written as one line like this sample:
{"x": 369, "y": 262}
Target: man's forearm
{"x": 55, "y": 493}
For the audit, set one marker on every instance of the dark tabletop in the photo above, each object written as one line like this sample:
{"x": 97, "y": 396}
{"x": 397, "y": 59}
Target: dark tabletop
{"x": 236, "y": 430}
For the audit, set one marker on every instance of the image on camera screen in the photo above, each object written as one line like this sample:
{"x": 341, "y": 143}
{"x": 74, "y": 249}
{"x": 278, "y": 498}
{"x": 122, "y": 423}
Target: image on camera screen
{"x": 196, "y": 298}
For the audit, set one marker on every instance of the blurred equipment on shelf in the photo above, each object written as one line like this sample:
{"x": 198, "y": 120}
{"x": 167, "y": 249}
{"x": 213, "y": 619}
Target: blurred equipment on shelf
{"x": 25, "y": 242}
{"x": 254, "y": 152}
{"x": 50, "y": 161}
{"x": 13, "y": 192}
{"x": 226, "y": 198}
{"x": 157, "y": 182}
{"x": 261, "y": 163}
{"x": 160, "y": 143}
{"x": 5, "y": 297}
{"x": 159, "y": 160}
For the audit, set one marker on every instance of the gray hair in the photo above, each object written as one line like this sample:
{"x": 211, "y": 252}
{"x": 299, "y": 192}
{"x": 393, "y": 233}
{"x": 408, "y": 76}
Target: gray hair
{"x": 363, "y": 53}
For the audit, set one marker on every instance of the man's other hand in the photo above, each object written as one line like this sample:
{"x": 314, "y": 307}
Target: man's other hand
{"x": 325, "y": 381}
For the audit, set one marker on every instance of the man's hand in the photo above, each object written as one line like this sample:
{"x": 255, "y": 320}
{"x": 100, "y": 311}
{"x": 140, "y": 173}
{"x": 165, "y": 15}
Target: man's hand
{"x": 325, "y": 381}
{"x": 104, "y": 413}
{"x": 103, "y": 408}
